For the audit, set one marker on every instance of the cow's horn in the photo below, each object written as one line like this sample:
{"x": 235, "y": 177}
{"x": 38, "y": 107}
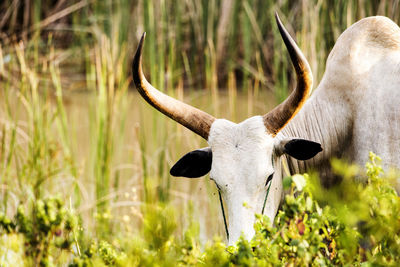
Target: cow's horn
{"x": 194, "y": 119}
{"x": 277, "y": 118}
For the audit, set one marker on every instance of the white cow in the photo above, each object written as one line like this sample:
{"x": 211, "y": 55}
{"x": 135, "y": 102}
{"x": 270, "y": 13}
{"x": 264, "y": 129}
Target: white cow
{"x": 354, "y": 110}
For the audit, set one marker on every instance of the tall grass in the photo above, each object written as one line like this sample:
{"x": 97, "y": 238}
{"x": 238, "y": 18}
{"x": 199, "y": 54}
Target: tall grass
{"x": 202, "y": 42}
{"x": 108, "y": 152}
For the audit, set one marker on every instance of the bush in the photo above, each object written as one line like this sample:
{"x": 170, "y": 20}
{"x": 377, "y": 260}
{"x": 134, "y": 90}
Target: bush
{"x": 354, "y": 223}
{"x": 46, "y": 230}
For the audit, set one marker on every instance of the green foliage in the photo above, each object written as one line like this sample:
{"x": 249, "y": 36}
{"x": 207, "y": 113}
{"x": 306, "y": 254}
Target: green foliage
{"x": 159, "y": 225}
{"x": 47, "y": 229}
{"x": 355, "y": 223}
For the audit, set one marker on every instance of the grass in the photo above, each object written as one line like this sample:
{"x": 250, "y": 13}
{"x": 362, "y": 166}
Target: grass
{"x": 72, "y": 125}
{"x": 203, "y": 44}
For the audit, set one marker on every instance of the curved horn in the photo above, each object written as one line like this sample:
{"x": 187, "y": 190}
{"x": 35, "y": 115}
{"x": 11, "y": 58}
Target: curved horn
{"x": 192, "y": 118}
{"x": 277, "y": 118}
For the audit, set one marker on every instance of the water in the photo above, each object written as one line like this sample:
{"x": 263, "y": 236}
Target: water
{"x": 146, "y": 144}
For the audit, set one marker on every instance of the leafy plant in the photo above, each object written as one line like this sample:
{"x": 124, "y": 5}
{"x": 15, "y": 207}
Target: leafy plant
{"x": 355, "y": 223}
{"x": 47, "y": 228}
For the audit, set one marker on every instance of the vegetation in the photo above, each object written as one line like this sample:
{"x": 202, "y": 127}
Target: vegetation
{"x": 356, "y": 224}
{"x": 203, "y": 44}
{"x": 84, "y": 161}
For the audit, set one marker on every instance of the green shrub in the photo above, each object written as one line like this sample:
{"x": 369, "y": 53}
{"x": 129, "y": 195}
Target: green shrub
{"x": 47, "y": 228}
{"x": 354, "y": 223}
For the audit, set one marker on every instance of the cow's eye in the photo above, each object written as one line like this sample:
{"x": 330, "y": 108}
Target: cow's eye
{"x": 269, "y": 179}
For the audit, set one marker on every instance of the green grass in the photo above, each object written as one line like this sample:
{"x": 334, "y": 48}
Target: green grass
{"x": 201, "y": 43}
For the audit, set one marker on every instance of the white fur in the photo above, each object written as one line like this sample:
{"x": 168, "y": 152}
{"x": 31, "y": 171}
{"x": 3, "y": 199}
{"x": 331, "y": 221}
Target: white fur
{"x": 242, "y": 162}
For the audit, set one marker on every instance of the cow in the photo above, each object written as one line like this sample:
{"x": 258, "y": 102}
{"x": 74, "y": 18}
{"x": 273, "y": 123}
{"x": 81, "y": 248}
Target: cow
{"x": 355, "y": 109}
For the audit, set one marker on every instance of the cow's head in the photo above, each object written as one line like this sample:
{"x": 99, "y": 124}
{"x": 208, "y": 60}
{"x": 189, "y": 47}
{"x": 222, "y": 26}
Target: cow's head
{"x": 243, "y": 158}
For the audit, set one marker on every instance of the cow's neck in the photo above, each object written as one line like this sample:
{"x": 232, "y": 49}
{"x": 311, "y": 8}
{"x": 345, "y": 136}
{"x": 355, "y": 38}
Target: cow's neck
{"x": 323, "y": 119}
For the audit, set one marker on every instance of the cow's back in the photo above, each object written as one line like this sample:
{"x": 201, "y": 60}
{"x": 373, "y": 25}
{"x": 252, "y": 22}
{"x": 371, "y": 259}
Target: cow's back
{"x": 364, "y": 65}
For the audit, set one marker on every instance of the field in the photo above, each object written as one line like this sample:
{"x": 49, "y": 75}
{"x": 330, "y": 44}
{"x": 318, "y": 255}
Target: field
{"x": 84, "y": 161}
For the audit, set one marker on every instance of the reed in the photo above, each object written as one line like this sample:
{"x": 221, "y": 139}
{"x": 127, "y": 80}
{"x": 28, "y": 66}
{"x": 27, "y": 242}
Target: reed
{"x": 98, "y": 152}
{"x": 180, "y": 34}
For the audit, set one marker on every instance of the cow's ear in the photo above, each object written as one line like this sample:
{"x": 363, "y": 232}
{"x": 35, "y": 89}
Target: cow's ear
{"x": 300, "y": 149}
{"x": 194, "y": 164}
